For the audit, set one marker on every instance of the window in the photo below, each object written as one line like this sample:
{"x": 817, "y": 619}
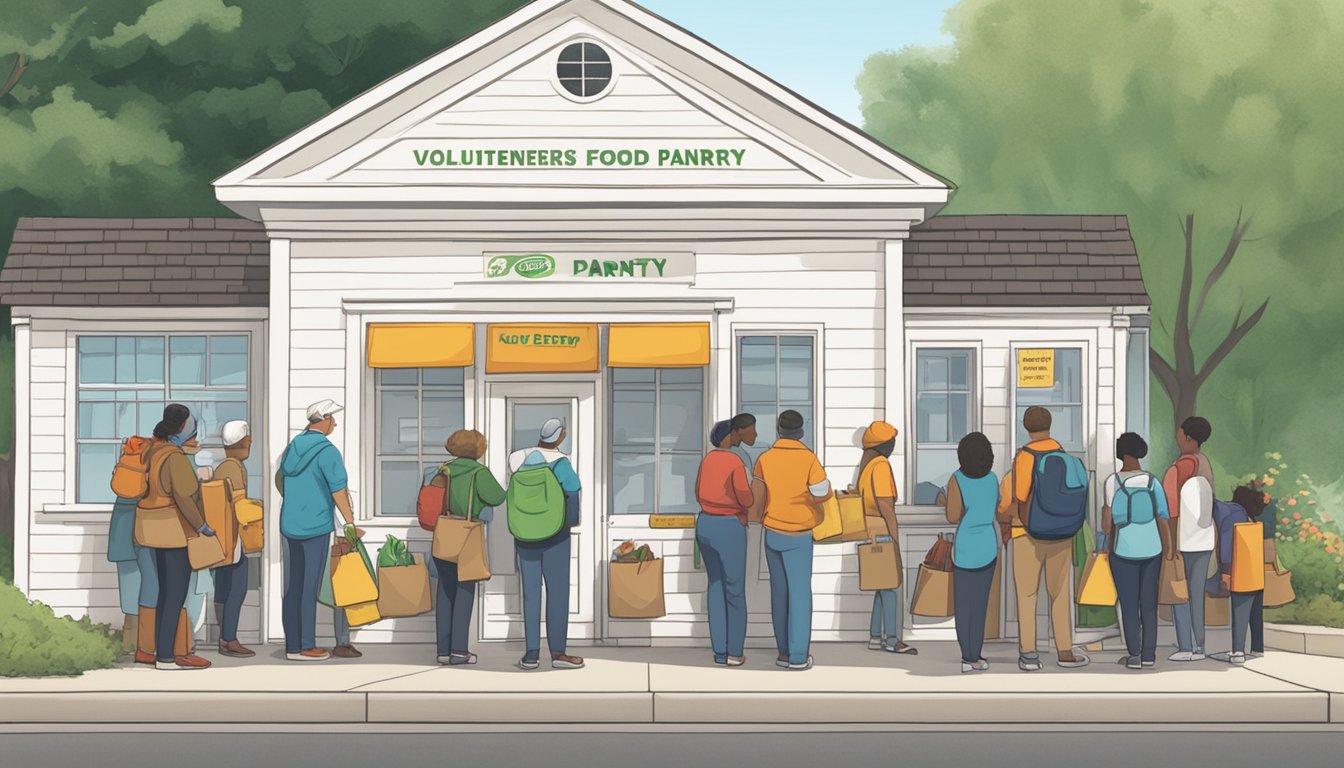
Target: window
{"x": 776, "y": 373}
{"x": 658, "y": 435}
{"x": 1136, "y": 384}
{"x": 943, "y": 402}
{"x": 124, "y": 382}
{"x": 416, "y": 410}
{"x": 584, "y": 70}
{"x": 1064, "y": 401}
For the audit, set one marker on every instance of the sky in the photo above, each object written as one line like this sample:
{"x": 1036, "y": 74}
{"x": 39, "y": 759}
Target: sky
{"x": 815, "y": 47}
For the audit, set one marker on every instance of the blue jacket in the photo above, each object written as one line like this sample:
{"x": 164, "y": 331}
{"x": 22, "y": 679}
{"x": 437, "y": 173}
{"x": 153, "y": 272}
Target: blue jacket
{"x": 312, "y": 471}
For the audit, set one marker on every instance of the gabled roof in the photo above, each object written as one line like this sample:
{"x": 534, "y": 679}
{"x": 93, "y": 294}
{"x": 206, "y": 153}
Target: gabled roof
{"x": 181, "y": 262}
{"x": 850, "y": 165}
{"x": 1023, "y": 261}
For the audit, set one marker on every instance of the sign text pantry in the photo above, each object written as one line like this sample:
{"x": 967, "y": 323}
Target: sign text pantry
{"x": 684, "y": 157}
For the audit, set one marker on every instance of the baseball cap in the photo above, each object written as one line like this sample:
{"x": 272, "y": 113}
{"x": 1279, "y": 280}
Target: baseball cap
{"x": 233, "y": 432}
{"x": 322, "y": 409}
{"x": 551, "y": 430}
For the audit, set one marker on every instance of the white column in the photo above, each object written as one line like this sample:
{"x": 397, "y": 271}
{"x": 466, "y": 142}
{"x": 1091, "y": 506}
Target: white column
{"x": 277, "y": 435}
{"x": 893, "y": 327}
{"x": 23, "y": 508}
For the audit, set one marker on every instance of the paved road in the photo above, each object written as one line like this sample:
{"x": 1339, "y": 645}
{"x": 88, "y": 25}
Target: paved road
{"x": 332, "y": 749}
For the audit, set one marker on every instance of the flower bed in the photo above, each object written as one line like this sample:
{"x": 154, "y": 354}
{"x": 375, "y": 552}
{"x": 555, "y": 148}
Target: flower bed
{"x": 1309, "y": 544}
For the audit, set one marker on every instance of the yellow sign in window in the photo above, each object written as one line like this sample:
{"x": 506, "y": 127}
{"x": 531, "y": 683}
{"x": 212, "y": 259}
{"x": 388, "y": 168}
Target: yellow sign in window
{"x": 658, "y": 345}
{"x": 1035, "y": 368}
{"x": 421, "y": 345}
{"x": 526, "y": 348}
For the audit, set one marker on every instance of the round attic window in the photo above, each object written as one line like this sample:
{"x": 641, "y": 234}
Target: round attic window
{"x": 584, "y": 70}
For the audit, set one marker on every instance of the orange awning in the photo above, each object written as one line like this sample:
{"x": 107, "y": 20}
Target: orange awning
{"x": 421, "y": 345}
{"x": 658, "y": 345}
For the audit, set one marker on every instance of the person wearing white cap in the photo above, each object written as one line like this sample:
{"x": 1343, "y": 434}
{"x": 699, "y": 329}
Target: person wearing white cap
{"x": 546, "y": 558}
{"x": 313, "y": 484}
{"x": 231, "y": 579}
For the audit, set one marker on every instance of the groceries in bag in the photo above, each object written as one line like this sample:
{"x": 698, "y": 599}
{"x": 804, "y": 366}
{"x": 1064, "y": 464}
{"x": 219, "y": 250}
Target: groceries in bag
{"x": 403, "y": 581}
{"x": 635, "y": 583}
{"x": 933, "y": 585}
{"x": 628, "y": 552}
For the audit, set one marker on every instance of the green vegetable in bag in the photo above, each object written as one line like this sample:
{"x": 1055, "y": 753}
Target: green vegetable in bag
{"x": 394, "y": 553}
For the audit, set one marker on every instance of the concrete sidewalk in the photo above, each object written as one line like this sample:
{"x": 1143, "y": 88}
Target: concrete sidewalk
{"x": 401, "y": 684}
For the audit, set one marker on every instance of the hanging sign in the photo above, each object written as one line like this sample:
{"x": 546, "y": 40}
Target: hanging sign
{"x": 589, "y": 268}
{"x": 1035, "y": 368}
{"x": 671, "y": 521}
{"x": 557, "y": 348}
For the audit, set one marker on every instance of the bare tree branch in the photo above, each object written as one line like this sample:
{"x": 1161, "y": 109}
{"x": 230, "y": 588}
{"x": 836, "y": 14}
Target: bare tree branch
{"x": 1234, "y": 337}
{"x": 1233, "y": 243}
{"x": 1183, "y": 353}
{"x": 1166, "y": 375}
{"x": 20, "y": 66}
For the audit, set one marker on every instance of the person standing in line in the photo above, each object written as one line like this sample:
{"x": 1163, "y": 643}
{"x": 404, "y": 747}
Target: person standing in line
{"x": 548, "y": 560}
{"x": 789, "y": 484}
{"x": 972, "y": 500}
{"x": 1188, "y": 485}
{"x": 313, "y": 485}
{"x": 231, "y": 578}
{"x": 1248, "y": 606}
{"x": 724, "y": 492}
{"x": 472, "y": 492}
{"x": 1032, "y": 556}
{"x": 1135, "y": 518}
{"x": 165, "y": 518}
{"x": 877, "y": 487}
{"x": 744, "y": 437}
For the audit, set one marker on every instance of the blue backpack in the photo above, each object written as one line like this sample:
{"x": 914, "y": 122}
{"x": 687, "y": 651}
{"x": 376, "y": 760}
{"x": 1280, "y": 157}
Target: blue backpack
{"x": 1058, "y": 508}
{"x": 1123, "y": 504}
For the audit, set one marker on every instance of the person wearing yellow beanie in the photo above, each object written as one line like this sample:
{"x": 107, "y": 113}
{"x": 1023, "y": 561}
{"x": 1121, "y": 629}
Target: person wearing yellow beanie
{"x": 877, "y": 486}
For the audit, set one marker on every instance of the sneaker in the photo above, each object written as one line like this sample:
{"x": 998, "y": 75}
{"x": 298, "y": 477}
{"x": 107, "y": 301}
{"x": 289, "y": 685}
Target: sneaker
{"x": 311, "y": 654}
{"x": 235, "y": 649}
{"x": 1256, "y": 654}
{"x": 1073, "y": 659}
{"x": 979, "y": 665}
{"x": 1149, "y": 664}
{"x": 183, "y": 662}
{"x": 1184, "y": 656}
{"x": 1131, "y": 662}
{"x": 900, "y": 648}
{"x": 736, "y": 661}
{"x": 562, "y": 661}
{"x": 875, "y": 644}
{"x": 801, "y": 667}
{"x": 1029, "y": 662}
{"x": 345, "y": 652}
{"x": 460, "y": 659}
{"x": 1237, "y": 658}
{"x": 782, "y": 661}
{"x": 528, "y": 663}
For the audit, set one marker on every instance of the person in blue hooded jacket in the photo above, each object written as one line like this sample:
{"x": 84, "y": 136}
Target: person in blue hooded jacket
{"x": 312, "y": 481}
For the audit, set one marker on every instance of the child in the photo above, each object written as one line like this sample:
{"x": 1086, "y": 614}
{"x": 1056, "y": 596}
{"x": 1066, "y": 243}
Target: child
{"x": 1248, "y": 607}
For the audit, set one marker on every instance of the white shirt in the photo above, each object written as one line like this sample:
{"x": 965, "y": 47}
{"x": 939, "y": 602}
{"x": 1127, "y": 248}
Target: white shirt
{"x": 1196, "y": 518}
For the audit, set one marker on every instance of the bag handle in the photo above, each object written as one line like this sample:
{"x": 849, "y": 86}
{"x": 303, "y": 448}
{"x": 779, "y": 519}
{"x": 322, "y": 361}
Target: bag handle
{"x": 872, "y": 484}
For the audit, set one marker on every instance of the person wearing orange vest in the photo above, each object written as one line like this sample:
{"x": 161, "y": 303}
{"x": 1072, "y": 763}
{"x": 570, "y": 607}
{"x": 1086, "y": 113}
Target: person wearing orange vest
{"x": 877, "y": 487}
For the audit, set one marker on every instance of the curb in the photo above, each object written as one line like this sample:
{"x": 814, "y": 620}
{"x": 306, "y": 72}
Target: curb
{"x": 1314, "y": 641}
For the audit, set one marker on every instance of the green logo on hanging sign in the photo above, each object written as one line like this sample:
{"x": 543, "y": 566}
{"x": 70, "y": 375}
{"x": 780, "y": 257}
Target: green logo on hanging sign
{"x": 532, "y": 266}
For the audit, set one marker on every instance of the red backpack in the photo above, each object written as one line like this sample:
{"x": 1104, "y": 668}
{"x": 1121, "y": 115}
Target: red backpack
{"x": 432, "y": 502}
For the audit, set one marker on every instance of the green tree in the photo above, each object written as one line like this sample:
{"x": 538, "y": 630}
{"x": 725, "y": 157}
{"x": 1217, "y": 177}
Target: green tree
{"x": 1157, "y": 110}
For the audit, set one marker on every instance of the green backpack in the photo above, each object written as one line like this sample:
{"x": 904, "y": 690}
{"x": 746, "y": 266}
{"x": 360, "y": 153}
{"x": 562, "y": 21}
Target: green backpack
{"x": 536, "y": 504}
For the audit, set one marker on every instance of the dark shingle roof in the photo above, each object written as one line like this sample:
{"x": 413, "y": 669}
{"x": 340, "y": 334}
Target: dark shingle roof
{"x": 181, "y": 262}
{"x": 1023, "y": 261}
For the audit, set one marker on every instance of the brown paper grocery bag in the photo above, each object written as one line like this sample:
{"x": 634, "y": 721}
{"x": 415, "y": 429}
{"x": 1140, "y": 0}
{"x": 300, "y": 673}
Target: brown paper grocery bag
{"x": 635, "y": 590}
{"x": 1217, "y": 611}
{"x": 1172, "y": 587}
{"x": 473, "y": 562}
{"x": 933, "y": 593}
{"x": 403, "y": 591}
{"x": 879, "y": 566}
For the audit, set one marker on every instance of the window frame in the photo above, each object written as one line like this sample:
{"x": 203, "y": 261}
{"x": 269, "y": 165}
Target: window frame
{"x": 1145, "y": 394}
{"x": 973, "y": 402}
{"x": 560, "y": 87}
{"x": 1085, "y": 364}
{"x": 253, "y": 391}
{"x": 815, "y": 332}
{"x": 374, "y": 507}
{"x": 658, "y": 452}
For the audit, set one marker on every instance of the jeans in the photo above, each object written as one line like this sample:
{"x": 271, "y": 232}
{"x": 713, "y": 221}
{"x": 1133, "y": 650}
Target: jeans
{"x": 888, "y": 610}
{"x": 1136, "y": 583}
{"x": 1248, "y": 612}
{"x": 174, "y": 574}
{"x": 1189, "y": 616}
{"x": 149, "y": 577}
{"x": 547, "y": 562}
{"x": 789, "y": 559}
{"x": 304, "y": 558}
{"x": 230, "y": 591}
{"x": 723, "y": 545}
{"x": 452, "y": 615}
{"x": 970, "y": 606}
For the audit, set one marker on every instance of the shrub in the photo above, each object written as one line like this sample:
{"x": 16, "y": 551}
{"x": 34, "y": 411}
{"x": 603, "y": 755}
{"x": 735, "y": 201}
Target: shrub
{"x": 1309, "y": 544}
{"x": 34, "y": 642}
{"x": 6, "y": 558}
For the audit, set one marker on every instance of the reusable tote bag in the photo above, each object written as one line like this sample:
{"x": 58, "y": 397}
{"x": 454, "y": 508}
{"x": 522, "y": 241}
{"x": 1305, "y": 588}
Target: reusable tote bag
{"x": 841, "y": 520}
{"x": 1097, "y": 586}
{"x": 1172, "y": 588}
{"x": 635, "y": 590}
{"x": 933, "y": 585}
{"x": 1278, "y": 585}
{"x": 451, "y": 533}
{"x": 879, "y": 563}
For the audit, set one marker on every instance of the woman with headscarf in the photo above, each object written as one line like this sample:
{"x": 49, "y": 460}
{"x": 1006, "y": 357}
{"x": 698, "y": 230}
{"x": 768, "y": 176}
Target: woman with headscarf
{"x": 877, "y": 486}
{"x": 165, "y": 518}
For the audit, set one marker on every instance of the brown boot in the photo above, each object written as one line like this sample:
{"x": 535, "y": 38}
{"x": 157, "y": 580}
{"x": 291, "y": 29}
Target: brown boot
{"x": 148, "y": 626}
{"x": 130, "y": 625}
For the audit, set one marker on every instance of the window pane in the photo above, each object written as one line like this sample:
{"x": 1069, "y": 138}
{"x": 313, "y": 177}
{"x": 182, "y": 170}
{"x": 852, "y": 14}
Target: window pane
{"x": 149, "y": 415}
{"x": 398, "y": 376}
{"x": 106, "y": 420}
{"x": 1136, "y": 384}
{"x": 398, "y": 485}
{"x": 1066, "y": 426}
{"x": 632, "y": 484}
{"x": 442, "y": 416}
{"x": 444, "y": 377}
{"x": 958, "y": 416}
{"x": 97, "y": 359}
{"x": 228, "y": 361}
{"x": 932, "y": 370}
{"x": 527, "y": 419}
{"x": 795, "y": 370}
{"x": 959, "y": 371}
{"x": 186, "y": 361}
{"x": 125, "y": 360}
{"x": 757, "y": 370}
{"x": 149, "y": 360}
{"x": 931, "y": 418}
{"x": 399, "y": 423}
{"x": 95, "y": 472}
{"x": 676, "y": 489}
{"x": 632, "y": 376}
{"x": 632, "y": 418}
{"x": 933, "y": 468}
{"x": 683, "y": 421}
{"x": 683, "y": 376}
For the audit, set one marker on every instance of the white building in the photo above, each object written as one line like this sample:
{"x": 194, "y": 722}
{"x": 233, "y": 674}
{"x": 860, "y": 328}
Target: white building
{"x": 703, "y": 242}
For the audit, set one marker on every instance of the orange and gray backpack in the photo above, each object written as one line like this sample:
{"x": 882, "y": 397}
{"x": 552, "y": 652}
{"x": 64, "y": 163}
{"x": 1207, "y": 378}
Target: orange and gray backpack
{"x": 130, "y": 478}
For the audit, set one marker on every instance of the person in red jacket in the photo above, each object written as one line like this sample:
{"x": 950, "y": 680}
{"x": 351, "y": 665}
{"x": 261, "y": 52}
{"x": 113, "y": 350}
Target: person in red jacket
{"x": 724, "y": 492}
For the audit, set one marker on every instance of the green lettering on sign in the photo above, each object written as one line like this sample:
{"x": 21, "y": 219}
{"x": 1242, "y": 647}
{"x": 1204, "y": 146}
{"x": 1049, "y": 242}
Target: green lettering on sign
{"x": 532, "y": 266}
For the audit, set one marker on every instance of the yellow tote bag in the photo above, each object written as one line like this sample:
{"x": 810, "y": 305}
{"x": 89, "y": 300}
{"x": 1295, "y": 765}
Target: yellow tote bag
{"x": 1097, "y": 586}
{"x": 362, "y": 614}
{"x": 841, "y": 520}
{"x": 351, "y": 582}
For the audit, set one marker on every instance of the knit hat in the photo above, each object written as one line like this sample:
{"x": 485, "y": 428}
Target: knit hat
{"x": 877, "y": 433}
{"x": 550, "y": 431}
{"x": 789, "y": 425}
{"x": 721, "y": 430}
